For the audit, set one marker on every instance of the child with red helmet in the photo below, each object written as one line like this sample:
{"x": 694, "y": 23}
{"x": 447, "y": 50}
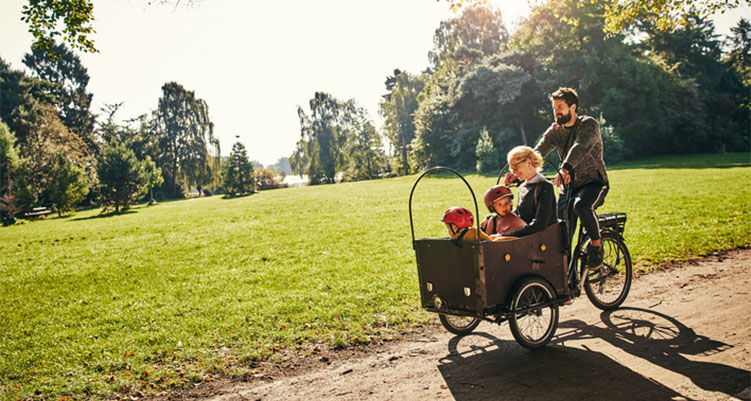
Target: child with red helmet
{"x": 459, "y": 221}
{"x": 498, "y": 200}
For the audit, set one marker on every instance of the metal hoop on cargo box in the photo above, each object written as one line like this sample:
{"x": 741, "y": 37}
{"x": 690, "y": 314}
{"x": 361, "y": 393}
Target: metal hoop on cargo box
{"x": 432, "y": 170}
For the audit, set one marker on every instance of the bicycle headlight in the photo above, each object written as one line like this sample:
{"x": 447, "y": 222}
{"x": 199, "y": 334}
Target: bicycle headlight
{"x": 438, "y": 302}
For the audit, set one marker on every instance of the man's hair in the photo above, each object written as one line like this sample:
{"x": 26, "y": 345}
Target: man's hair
{"x": 568, "y": 95}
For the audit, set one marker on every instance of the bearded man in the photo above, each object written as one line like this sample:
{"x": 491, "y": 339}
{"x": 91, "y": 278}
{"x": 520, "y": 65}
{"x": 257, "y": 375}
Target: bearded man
{"x": 579, "y": 144}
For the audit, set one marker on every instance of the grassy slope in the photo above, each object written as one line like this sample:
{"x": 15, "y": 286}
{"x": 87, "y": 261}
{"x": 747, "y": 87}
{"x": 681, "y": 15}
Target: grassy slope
{"x": 183, "y": 291}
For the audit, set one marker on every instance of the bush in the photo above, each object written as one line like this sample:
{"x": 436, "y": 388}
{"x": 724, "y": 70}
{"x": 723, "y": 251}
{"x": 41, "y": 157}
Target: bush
{"x": 613, "y": 149}
{"x": 68, "y": 186}
{"x": 266, "y": 179}
{"x": 487, "y": 156}
{"x": 122, "y": 177}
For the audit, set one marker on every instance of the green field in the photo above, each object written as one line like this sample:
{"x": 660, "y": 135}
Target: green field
{"x": 185, "y": 291}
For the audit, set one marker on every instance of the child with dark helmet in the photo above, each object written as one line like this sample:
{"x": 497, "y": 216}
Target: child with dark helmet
{"x": 498, "y": 200}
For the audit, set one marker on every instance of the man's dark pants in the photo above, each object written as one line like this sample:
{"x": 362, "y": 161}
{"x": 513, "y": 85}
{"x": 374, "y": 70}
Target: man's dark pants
{"x": 586, "y": 199}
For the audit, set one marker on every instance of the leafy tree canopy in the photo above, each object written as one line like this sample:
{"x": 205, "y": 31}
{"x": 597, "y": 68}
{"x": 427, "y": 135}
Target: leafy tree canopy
{"x": 621, "y": 15}
{"x": 45, "y": 17}
{"x": 70, "y": 79}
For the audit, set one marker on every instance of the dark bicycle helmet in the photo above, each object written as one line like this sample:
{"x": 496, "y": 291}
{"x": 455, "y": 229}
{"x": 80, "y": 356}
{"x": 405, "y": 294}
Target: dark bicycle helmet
{"x": 495, "y": 193}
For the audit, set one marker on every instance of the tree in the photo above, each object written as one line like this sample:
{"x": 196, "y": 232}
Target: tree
{"x": 364, "y": 155}
{"x": 27, "y": 106}
{"x": 321, "y": 135}
{"x": 398, "y": 109}
{"x": 48, "y": 138}
{"x": 620, "y": 15}
{"x": 122, "y": 178}
{"x": 666, "y": 15}
{"x": 68, "y": 185}
{"x": 455, "y": 104}
{"x": 153, "y": 177}
{"x": 435, "y": 132}
{"x": 616, "y": 80}
{"x": 238, "y": 172}
{"x": 70, "y": 79}
{"x": 694, "y": 54}
{"x": 477, "y": 33}
{"x": 9, "y": 160}
{"x": 185, "y": 134}
{"x": 44, "y": 18}
{"x": 299, "y": 159}
{"x": 492, "y": 89}
{"x": 10, "y": 164}
{"x": 739, "y": 55}
{"x": 488, "y": 159}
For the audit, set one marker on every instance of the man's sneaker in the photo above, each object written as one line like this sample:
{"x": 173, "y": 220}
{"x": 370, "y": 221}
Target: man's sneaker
{"x": 594, "y": 258}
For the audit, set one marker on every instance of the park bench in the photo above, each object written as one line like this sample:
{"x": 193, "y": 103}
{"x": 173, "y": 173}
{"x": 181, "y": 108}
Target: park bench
{"x": 37, "y": 211}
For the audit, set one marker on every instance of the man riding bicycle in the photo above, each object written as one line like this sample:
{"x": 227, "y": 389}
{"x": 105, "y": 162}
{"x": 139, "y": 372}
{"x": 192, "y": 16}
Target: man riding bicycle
{"x": 579, "y": 144}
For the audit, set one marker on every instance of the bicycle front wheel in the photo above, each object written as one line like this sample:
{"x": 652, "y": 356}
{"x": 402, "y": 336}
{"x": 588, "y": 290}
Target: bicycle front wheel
{"x": 459, "y": 325}
{"x": 608, "y": 287}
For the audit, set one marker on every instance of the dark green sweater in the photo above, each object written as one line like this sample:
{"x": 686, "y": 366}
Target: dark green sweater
{"x": 580, "y": 150}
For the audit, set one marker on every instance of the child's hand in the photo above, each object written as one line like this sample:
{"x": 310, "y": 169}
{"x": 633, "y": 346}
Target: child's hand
{"x": 500, "y": 237}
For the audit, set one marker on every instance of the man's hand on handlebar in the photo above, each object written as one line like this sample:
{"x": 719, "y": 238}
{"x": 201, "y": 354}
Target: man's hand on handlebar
{"x": 563, "y": 177}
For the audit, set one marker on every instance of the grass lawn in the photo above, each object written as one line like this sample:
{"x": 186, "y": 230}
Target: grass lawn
{"x": 181, "y": 292}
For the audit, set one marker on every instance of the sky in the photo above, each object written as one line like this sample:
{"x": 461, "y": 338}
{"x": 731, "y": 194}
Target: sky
{"x": 254, "y": 62}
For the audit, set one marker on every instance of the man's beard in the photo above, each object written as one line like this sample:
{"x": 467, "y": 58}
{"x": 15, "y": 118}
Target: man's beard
{"x": 563, "y": 119}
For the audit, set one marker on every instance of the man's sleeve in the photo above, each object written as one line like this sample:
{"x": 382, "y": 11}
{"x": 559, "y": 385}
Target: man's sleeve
{"x": 547, "y": 143}
{"x": 586, "y": 137}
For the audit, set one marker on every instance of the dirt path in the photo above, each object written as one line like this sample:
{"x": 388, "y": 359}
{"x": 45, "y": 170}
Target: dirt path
{"x": 685, "y": 334}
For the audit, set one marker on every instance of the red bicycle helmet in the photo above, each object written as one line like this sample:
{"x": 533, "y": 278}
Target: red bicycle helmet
{"x": 495, "y": 193}
{"x": 459, "y": 216}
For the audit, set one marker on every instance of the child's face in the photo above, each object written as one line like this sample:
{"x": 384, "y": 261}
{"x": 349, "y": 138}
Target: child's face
{"x": 502, "y": 206}
{"x": 451, "y": 227}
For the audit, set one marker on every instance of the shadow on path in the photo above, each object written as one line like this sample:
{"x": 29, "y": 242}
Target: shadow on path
{"x": 501, "y": 369}
{"x": 664, "y": 341}
{"x": 504, "y": 370}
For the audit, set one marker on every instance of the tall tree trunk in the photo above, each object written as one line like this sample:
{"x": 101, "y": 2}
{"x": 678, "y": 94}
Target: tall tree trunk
{"x": 521, "y": 124}
{"x": 405, "y": 164}
{"x": 370, "y": 172}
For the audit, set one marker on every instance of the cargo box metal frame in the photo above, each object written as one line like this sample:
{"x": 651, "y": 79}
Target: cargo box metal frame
{"x": 478, "y": 279}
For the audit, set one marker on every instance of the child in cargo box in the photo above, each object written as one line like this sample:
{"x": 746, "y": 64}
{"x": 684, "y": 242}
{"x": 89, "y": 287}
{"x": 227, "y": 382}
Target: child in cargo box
{"x": 459, "y": 221}
{"x": 498, "y": 200}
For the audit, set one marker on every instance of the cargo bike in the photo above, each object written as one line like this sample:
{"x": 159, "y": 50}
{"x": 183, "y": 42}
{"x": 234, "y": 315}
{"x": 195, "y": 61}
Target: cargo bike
{"x": 523, "y": 281}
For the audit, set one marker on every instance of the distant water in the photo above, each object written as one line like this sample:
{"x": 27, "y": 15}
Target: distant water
{"x": 296, "y": 180}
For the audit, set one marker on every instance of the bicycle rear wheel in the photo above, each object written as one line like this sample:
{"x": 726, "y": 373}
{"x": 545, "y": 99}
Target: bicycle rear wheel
{"x": 535, "y": 315}
{"x": 608, "y": 287}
